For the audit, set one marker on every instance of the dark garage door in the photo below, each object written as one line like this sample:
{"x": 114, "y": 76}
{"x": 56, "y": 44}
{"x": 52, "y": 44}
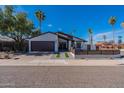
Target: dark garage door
{"x": 42, "y": 45}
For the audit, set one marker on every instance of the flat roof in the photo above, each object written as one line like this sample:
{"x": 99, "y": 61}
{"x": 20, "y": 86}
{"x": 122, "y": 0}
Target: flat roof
{"x": 6, "y": 39}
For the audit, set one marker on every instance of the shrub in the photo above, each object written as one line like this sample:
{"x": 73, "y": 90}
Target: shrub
{"x": 66, "y": 55}
{"x": 58, "y": 55}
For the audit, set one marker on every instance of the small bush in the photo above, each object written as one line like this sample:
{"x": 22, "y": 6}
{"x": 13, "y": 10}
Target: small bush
{"x": 66, "y": 55}
{"x": 58, "y": 55}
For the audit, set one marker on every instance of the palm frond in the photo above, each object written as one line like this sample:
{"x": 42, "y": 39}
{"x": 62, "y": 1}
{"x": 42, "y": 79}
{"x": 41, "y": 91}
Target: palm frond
{"x": 112, "y": 20}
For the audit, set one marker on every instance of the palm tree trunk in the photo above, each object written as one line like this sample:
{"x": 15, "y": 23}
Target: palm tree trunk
{"x": 113, "y": 37}
{"x": 40, "y": 26}
{"x": 89, "y": 38}
{"x": 104, "y": 40}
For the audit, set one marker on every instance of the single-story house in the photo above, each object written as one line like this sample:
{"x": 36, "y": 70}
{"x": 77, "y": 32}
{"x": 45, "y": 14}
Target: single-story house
{"x": 55, "y": 42}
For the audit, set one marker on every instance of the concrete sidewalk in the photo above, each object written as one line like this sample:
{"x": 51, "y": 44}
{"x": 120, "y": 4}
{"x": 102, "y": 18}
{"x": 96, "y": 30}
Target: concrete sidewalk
{"x": 62, "y": 62}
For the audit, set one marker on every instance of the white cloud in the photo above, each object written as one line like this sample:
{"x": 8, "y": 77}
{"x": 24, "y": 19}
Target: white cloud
{"x": 60, "y": 29}
{"x": 50, "y": 25}
{"x": 99, "y": 35}
{"x": 109, "y": 35}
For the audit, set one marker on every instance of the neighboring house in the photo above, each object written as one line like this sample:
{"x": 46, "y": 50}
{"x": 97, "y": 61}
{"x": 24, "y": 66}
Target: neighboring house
{"x": 6, "y": 43}
{"x": 55, "y": 42}
{"x": 106, "y": 46}
{"x": 121, "y": 46}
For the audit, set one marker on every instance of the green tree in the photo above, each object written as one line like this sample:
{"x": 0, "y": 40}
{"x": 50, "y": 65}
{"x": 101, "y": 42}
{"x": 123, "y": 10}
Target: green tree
{"x": 16, "y": 26}
{"x": 7, "y": 20}
{"x": 23, "y": 29}
{"x": 40, "y": 16}
{"x": 1, "y": 21}
{"x": 36, "y": 33}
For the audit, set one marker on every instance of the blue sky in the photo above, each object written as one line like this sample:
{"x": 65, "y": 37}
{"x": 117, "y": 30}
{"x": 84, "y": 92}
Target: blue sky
{"x": 78, "y": 19}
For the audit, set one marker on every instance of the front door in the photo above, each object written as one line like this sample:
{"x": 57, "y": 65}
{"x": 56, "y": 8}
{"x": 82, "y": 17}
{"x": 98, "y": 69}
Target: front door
{"x": 63, "y": 46}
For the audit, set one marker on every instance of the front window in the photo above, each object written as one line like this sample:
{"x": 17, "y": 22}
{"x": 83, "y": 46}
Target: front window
{"x": 78, "y": 44}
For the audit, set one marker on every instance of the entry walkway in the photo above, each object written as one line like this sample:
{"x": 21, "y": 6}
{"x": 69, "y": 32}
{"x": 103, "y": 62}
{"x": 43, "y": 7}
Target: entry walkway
{"x": 62, "y": 55}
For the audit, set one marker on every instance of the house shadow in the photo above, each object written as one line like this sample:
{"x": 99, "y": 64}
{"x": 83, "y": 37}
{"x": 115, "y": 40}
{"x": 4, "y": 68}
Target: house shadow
{"x": 122, "y": 64}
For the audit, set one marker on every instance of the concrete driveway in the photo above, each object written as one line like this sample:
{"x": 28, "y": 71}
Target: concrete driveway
{"x": 32, "y": 56}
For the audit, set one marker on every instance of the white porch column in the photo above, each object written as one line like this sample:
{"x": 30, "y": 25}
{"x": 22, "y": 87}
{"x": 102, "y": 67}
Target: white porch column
{"x": 69, "y": 45}
{"x": 29, "y": 46}
{"x": 85, "y": 46}
{"x": 56, "y": 46}
{"x": 82, "y": 45}
{"x": 75, "y": 44}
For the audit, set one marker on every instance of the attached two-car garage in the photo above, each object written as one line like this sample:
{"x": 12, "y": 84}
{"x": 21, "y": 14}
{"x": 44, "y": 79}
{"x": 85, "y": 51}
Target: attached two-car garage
{"x": 46, "y": 42}
{"x": 42, "y": 46}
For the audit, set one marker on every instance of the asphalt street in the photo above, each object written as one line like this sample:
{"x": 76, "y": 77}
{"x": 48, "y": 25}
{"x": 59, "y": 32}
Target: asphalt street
{"x": 62, "y": 77}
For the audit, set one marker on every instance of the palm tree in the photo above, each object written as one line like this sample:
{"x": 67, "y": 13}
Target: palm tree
{"x": 40, "y": 16}
{"x": 119, "y": 39}
{"x": 122, "y": 24}
{"x": 104, "y": 38}
{"x": 112, "y": 22}
{"x": 90, "y": 36}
